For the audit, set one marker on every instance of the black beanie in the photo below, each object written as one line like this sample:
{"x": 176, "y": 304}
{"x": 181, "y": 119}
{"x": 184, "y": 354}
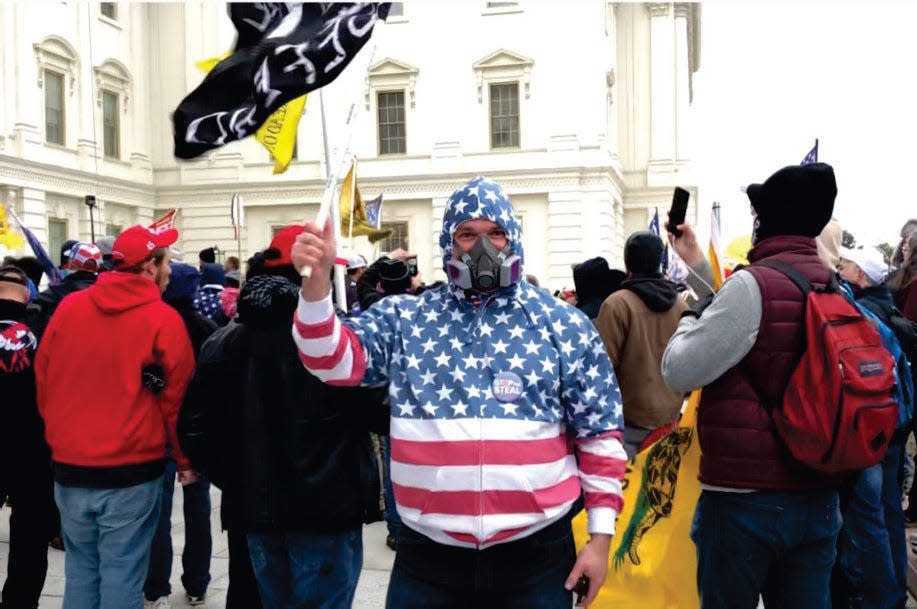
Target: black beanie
{"x": 796, "y": 200}
{"x": 207, "y": 255}
{"x": 643, "y": 253}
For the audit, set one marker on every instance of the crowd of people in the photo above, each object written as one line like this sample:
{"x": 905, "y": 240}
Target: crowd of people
{"x": 476, "y": 415}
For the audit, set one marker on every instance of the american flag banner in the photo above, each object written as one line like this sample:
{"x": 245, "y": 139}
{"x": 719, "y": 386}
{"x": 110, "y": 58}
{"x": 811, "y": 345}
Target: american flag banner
{"x": 164, "y": 222}
{"x": 812, "y": 157}
{"x": 284, "y": 51}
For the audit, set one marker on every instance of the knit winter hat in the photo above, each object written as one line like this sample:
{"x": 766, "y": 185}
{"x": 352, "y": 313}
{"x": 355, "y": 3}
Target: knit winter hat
{"x": 643, "y": 253}
{"x": 796, "y": 200}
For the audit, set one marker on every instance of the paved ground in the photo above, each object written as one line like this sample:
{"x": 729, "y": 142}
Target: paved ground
{"x": 377, "y": 564}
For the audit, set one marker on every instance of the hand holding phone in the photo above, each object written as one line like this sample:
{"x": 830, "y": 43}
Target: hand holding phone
{"x": 679, "y": 210}
{"x": 581, "y": 589}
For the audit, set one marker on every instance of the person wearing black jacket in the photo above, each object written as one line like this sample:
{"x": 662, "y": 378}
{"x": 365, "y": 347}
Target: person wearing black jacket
{"x": 184, "y": 282}
{"x": 25, "y": 459}
{"x": 292, "y": 455}
{"x": 83, "y": 262}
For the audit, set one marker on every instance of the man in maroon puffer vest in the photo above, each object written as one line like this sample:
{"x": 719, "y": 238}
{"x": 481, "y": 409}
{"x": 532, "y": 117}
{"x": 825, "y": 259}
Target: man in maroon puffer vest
{"x": 764, "y": 525}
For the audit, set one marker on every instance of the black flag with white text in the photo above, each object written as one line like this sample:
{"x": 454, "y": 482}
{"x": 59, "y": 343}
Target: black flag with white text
{"x": 283, "y": 51}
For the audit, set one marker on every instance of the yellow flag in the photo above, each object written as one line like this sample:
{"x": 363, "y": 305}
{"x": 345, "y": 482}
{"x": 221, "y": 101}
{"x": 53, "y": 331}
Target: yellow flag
{"x": 8, "y": 237}
{"x": 351, "y": 203}
{"x": 653, "y": 562}
{"x": 278, "y": 133}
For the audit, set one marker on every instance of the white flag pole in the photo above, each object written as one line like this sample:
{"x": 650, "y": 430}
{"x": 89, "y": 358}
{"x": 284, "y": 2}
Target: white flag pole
{"x": 339, "y": 283}
{"x": 334, "y": 171}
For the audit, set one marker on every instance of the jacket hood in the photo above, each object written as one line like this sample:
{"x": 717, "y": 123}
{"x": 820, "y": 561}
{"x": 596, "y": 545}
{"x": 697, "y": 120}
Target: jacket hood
{"x": 183, "y": 283}
{"x": 480, "y": 198}
{"x": 267, "y": 300}
{"x": 658, "y": 294}
{"x": 116, "y": 292}
{"x": 213, "y": 274}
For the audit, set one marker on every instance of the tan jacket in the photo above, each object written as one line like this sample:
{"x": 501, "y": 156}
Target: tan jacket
{"x": 635, "y": 338}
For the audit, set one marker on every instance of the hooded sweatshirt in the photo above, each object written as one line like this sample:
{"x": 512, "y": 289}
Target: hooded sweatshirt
{"x": 469, "y": 469}
{"x": 635, "y": 324}
{"x": 104, "y": 427}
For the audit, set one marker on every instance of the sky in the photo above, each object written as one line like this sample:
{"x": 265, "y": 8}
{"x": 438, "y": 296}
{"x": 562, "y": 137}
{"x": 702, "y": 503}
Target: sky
{"x": 775, "y": 75}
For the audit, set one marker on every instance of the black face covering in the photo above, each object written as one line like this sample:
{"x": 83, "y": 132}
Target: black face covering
{"x": 484, "y": 262}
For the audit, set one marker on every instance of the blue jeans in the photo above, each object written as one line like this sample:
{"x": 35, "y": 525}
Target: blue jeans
{"x": 778, "y": 545}
{"x": 392, "y": 519}
{"x": 107, "y": 535}
{"x": 300, "y": 570}
{"x": 195, "y": 557}
{"x": 872, "y": 552}
{"x": 525, "y": 574}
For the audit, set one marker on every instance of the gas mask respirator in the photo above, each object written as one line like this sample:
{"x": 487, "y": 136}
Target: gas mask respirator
{"x": 484, "y": 267}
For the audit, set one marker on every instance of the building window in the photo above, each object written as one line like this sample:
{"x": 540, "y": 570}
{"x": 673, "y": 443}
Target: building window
{"x": 504, "y": 115}
{"x": 111, "y": 126}
{"x": 396, "y": 9}
{"x": 54, "y": 107}
{"x": 108, "y": 9}
{"x": 57, "y": 234}
{"x": 398, "y": 239}
{"x": 502, "y": 4}
{"x": 391, "y": 122}
{"x": 113, "y": 229}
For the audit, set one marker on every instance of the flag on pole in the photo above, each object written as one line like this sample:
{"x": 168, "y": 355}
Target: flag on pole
{"x": 673, "y": 267}
{"x": 278, "y": 133}
{"x": 38, "y": 249}
{"x": 354, "y": 218}
{"x": 163, "y": 223}
{"x": 374, "y": 212}
{"x": 283, "y": 52}
{"x": 812, "y": 157}
{"x": 8, "y": 237}
{"x": 237, "y": 214}
{"x": 713, "y": 250}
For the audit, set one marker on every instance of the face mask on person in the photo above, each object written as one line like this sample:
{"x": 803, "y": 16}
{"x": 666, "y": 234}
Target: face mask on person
{"x": 484, "y": 267}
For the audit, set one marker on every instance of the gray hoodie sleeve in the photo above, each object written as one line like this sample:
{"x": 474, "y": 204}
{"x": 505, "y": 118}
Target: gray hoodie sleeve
{"x": 701, "y": 279}
{"x": 702, "y": 349}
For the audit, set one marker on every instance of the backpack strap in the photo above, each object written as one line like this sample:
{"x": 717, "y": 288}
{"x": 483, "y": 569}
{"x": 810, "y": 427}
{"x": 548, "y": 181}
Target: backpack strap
{"x": 791, "y": 273}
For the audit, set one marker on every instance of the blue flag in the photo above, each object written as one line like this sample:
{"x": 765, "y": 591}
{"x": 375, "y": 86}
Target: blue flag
{"x": 812, "y": 157}
{"x": 374, "y": 212}
{"x": 38, "y": 249}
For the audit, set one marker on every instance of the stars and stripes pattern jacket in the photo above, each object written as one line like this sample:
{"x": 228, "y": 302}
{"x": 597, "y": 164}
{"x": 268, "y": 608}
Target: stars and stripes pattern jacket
{"x": 503, "y": 411}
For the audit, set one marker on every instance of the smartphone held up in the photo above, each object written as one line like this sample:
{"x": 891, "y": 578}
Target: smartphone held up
{"x": 679, "y": 210}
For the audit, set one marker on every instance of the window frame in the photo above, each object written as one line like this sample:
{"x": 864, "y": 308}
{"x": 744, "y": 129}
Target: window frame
{"x": 514, "y": 85}
{"x": 117, "y": 125}
{"x": 114, "y": 10}
{"x": 404, "y": 122}
{"x": 46, "y": 73}
{"x": 396, "y": 226}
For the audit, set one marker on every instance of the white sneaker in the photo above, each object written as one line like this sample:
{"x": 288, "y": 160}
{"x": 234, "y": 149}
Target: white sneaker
{"x": 162, "y": 602}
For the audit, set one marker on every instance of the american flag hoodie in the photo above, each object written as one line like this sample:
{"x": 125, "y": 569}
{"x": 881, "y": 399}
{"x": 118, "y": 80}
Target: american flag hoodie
{"x": 503, "y": 410}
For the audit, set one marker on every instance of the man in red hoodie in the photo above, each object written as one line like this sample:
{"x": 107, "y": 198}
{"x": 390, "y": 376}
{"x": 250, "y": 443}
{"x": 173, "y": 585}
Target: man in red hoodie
{"x": 108, "y": 431}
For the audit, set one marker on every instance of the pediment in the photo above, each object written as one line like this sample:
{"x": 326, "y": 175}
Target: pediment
{"x": 392, "y": 67}
{"x": 503, "y": 59}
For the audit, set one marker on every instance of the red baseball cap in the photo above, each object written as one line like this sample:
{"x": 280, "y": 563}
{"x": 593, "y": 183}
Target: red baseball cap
{"x": 136, "y": 243}
{"x": 278, "y": 254}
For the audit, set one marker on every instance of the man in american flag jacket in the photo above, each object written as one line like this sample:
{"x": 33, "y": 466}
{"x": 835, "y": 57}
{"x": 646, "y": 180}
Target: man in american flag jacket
{"x": 505, "y": 412}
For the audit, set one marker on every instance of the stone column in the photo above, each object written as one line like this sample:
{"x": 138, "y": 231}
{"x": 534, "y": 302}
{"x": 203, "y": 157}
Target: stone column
{"x": 565, "y": 236}
{"x": 682, "y": 83}
{"x": 662, "y": 77}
